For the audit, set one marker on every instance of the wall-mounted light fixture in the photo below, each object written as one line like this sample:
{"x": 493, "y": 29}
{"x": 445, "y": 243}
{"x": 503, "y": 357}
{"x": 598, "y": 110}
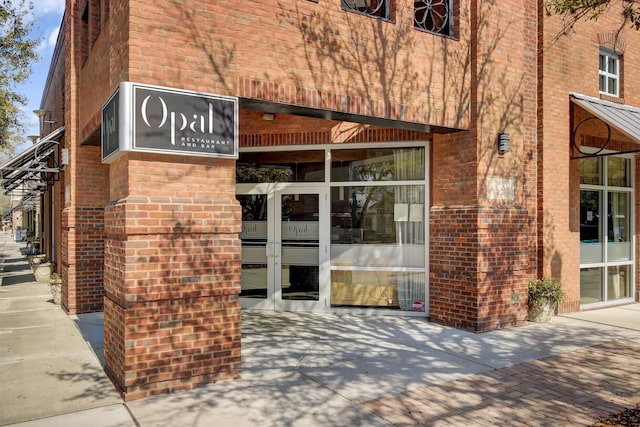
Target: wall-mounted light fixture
{"x": 268, "y": 117}
{"x": 42, "y": 115}
{"x": 34, "y": 138}
{"x": 503, "y": 143}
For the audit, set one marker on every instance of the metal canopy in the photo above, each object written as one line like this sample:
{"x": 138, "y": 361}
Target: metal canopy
{"x": 29, "y": 198}
{"x": 623, "y": 118}
{"x": 35, "y": 166}
{"x": 297, "y": 110}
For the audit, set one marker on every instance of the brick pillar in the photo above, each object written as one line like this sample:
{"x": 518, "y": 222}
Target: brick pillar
{"x": 82, "y": 260}
{"x": 172, "y": 274}
{"x": 82, "y": 232}
{"x": 483, "y": 229}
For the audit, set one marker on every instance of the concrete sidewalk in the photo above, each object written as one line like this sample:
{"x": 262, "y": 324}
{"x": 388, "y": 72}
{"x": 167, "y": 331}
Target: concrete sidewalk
{"x": 303, "y": 369}
{"x": 46, "y": 367}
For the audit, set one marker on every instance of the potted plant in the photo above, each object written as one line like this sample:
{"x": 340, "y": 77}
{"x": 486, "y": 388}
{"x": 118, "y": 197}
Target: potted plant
{"x": 42, "y": 271}
{"x": 35, "y": 259}
{"x": 544, "y": 296}
{"x": 55, "y": 286}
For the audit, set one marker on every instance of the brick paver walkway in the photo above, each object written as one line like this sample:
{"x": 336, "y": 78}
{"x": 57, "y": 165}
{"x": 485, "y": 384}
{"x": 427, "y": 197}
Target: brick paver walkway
{"x": 567, "y": 390}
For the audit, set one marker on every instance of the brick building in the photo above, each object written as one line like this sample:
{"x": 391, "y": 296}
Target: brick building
{"x": 384, "y": 157}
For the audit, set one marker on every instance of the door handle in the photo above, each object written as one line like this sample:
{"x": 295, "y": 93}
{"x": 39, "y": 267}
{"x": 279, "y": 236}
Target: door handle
{"x": 268, "y": 250}
{"x": 272, "y": 251}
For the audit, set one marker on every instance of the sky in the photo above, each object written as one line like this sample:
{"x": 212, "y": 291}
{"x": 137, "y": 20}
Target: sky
{"x": 47, "y": 19}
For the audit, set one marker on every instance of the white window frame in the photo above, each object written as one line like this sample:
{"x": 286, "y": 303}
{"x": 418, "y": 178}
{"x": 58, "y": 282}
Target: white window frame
{"x": 607, "y": 74}
{"x": 328, "y": 184}
{"x": 605, "y": 188}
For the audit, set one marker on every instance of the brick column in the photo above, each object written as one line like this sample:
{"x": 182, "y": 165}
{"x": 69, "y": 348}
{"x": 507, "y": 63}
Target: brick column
{"x": 172, "y": 274}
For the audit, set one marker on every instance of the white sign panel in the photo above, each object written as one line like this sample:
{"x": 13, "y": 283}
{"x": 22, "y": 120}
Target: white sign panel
{"x": 501, "y": 189}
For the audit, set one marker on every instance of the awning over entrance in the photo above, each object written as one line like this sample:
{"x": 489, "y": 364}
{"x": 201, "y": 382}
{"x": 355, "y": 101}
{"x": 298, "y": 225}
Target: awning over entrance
{"x": 623, "y": 118}
{"x": 35, "y": 167}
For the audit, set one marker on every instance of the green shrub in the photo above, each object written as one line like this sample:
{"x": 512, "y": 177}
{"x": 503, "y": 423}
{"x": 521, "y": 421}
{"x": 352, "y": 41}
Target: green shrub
{"x": 546, "y": 290}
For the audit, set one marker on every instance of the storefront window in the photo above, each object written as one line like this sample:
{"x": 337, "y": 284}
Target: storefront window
{"x": 591, "y": 285}
{"x": 589, "y": 216}
{"x": 618, "y": 218}
{"x": 617, "y": 172}
{"x": 376, "y": 214}
{"x": 619, "y": 284}
{"x": 606, "y": 209}
{"x": 378, "y": 225}
{"x": 590, "y": 227}
{"x": 383, "y": 164}
{"x": 286, "y": 166}
{"x": 590, "y": 171}
{"x": 388, "y": 289}
{"x": 370, "y": 207}
{"x": 378, "y": 230}
{"x": 619, "y": 247}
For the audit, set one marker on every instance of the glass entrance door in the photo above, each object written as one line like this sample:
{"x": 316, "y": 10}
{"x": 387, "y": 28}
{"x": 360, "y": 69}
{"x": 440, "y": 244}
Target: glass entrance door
{"x": 284, "y": 247}
{"x": 606, "y": 231}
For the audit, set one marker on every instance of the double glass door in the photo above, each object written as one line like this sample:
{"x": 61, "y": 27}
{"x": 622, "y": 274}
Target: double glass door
{"x": 285, "y": 260}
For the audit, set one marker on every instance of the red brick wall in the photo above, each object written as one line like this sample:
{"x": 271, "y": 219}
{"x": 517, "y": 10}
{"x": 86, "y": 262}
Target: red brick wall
{"x": 504, "y": 267}
{"x": 83, "y": 231}
{"x": 482, "y": 247}
{"x": 83, "y": 265}
{"x": 114, "y": 345}
{"x": 164, "y": 355}
{"x": 306, "y": 43}
{"x": 454, "y": 170}
{"x": 453, "y": 263}
{"x": 479, "y": 266}
{"x": 173, "y": 273}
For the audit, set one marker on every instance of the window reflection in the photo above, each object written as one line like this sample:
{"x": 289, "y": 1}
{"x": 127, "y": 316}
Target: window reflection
{"x": 376, "y": 8}
{"x": 294, "y": 166}
{"x": 433, "y": 16}
{"x": 254, "y": 245}
{"x": 590, "y": 171}
{"x": 618, "y": 283}
{"x": 380, "y": 289}
{"x": 591, "y": 285}
{"x": 589, "y": 216}
{"x": 381, "y": 164}
{"x": 617, "y": 172}
{"x": 617, "y": 218}
{"x": 377, "y": 214}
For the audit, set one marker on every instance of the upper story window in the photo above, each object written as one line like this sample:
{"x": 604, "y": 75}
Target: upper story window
{"x": 434, "y": 16}
{"x": 377, "y": 8}
{"x": 609, "y": 70}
